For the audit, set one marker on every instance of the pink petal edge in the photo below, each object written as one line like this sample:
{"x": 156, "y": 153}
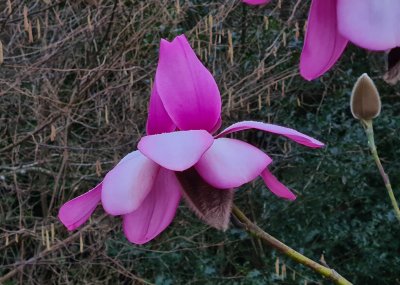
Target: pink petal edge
{"x": 276, "y": 187}
{"x": 275, "y": 129}
{"x": 158, "y": 120}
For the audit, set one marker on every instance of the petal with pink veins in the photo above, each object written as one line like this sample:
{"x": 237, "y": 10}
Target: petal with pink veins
{"x": 323, "y": 44}
{"x": 275, "y": 186}
{"x": 370, "y": 24}
{"x": 156, "y": 212}
{"x": 77, "y": 211}
{"x": 230, "y": 163}
{"x": 128, "y": 183}
{"x": 158, "y": 120}
{"x": 275, "y": 129}
{"x": 256, "y": 2}
{"x": 187, "y": 89}
{"x": 176, "y": 151}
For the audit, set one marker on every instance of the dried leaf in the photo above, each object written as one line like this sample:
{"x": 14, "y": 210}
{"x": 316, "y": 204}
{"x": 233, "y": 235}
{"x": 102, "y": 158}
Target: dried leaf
{"x": 230, "y": 47}
{"x": 284, "y": 272}
{"x": 80, "y": 243}
{"x": 38, "y": 29}
{"x": 1, "y": 53}
{"x": 211, "y": 205}
{"x": 89, "y": 21}
{"x": 53, "y": 133}
{"x": 177, "y": 7}
{"x": 47, "y": 240}
{"x": 53, "y": 233}
{"x": 99, "y": 170}
{"x": 26, "y": 21}
{"x": 30, "y": 34}
{"x": 9, "y": 7}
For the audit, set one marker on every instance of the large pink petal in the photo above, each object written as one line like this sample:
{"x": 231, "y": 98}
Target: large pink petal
{"x": 371, "y": 24}
{"x": 275, "y": 186}
{"x": 230, "y": 163}
{"x": 127, "y": 184}
{"x": 77, "y": 211}
{"x": 323, "y": 44}
{"x": 156, "y": 211}
{"x": 289, "y": 133}
{"x": 187, "y": 89}
{"x": 256, "y": 2}
{"x": 176, "y": 151}
{"x": 158, "y": 120}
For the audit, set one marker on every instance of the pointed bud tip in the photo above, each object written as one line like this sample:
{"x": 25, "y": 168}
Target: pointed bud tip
{"x": 365, "y": 102}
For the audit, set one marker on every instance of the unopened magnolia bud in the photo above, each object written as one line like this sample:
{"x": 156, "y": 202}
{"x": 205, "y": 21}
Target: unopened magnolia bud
{"x": 365, "y": 102}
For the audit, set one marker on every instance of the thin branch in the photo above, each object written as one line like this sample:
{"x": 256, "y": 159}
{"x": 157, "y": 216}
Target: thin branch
{"x": 283, "y": 248}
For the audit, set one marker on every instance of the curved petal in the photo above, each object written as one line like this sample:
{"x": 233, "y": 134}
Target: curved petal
{"x": 129, "y": 156}
{"x": 156, "y": 212}
{"x": 77, "y": 211}
{"x": 275, "y": 186}
{"x": 256, "y": 2}
{"x": 370, "y": 24}
{"x": 275, "y": 129}
{"x": 217, "y": 126}
{"x": 127, "y": 184}
{"x": 187, "y": 89}
{"x": 230, "y": 163}
{"x": 158, "y": 120}
{"x": 323, "y": 44}
{"x": 176, "y": 151}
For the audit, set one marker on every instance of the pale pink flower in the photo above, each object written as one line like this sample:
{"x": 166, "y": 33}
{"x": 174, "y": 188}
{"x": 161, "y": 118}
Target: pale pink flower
{"x": 184, "y": 112}
{"x": 370, "y": 24}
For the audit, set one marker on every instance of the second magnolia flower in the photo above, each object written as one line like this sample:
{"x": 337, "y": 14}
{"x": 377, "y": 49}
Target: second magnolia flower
{"x": 180, "y": 155}
{"x": 332, "y": 24}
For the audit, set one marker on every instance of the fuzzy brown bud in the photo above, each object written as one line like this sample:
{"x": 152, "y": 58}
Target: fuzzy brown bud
{"x": 211, "y": 205}
{"x": 365, "y": 103}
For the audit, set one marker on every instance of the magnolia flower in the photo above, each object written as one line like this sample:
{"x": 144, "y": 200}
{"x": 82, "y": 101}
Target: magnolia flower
{"x": 370, "y": 24}
{"x": 180, "y": 156}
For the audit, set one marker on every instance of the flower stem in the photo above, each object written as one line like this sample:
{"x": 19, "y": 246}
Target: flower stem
{"x": 369, "y": 130}
{"x": 283, "y": 248}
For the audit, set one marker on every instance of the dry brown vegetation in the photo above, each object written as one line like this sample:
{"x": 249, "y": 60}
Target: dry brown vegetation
{"x": 74, "y": 87}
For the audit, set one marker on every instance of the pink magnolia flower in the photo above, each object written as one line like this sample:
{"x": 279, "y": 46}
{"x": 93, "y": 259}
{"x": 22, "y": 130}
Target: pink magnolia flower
{"x": 185, "y": 109}
{"x": 370, "y": 24}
